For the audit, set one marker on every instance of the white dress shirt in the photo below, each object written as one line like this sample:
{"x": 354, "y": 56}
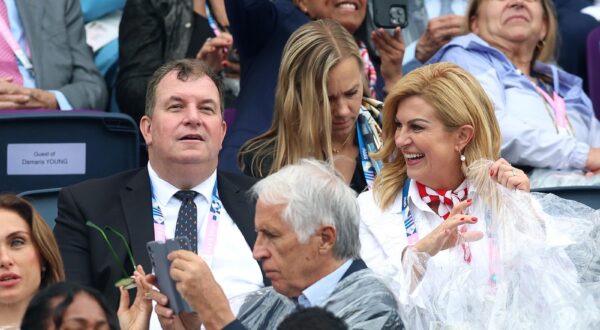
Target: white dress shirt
{"x": 232, "y": 264}
{"x": 383, "y": 238}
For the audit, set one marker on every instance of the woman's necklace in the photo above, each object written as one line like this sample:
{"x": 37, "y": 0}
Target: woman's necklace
{"x": 337, "y": 151}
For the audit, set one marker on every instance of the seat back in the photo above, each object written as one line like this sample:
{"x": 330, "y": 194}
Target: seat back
{"x": 47, "y": 149}
{"x": 593, "y": 66}
{"x": 588, "y": 195}
{"x": 45, "y": 202}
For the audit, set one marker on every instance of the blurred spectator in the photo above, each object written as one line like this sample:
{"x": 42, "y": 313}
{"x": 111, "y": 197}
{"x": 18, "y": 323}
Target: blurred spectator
{"x": 69, "y": 305}
{"x": 431, "y": 24}
{"x": 313, "y": 318}
{"x": 546, "y": 119}
{"x": 574, "y": 26}
{"x": 261, "y": 29}
{"x": 45, "y": 61}
{"x": 154, "y": 32}
{"x": 102, "y": 18}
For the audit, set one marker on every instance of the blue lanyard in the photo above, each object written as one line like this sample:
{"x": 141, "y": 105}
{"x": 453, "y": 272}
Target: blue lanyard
{"x": 159, "y": 221}
{"x": 409, "y": 222}
{"x": 366, "y": 144}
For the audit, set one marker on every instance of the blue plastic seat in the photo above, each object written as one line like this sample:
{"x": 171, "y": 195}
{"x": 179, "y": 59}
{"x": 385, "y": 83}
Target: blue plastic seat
{"x": 106, "y": 143}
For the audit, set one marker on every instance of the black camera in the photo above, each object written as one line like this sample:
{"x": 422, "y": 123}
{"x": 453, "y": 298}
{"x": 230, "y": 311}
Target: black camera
{"x": 389, "y": 14}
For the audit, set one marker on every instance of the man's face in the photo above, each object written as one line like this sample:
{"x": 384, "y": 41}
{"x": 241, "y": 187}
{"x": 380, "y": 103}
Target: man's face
{"x": 349, "y": 13}
{"x": 290, "y": 265}
{"x": 186, "y": 126}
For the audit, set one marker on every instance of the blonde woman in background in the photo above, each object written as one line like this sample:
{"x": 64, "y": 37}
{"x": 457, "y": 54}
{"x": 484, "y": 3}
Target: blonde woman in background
{"x": 320, "y": 111}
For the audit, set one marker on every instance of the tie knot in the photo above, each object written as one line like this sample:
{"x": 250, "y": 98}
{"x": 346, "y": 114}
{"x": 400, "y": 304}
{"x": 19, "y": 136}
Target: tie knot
{"x": 184, "y": 195}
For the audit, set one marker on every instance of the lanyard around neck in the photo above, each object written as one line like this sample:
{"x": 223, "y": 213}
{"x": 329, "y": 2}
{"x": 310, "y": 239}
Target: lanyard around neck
{"x": 409, "y": 222}
{"x": 14, "y": 46}
{"x": 209, "y": 242}
{"x": 366, "y": 144}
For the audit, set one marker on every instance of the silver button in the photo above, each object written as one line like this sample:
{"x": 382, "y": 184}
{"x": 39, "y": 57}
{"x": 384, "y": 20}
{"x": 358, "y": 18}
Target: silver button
{"x": 188, "y": 25}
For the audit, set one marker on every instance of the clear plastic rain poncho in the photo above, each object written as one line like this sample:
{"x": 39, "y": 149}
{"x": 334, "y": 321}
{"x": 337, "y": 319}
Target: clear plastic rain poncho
{"x": 360, "y": 299}
{"x": 543, "y": 267}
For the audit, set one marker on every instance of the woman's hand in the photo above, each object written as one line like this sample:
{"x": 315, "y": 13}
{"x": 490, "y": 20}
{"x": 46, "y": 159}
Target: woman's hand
{"x": 391, "y": 52}
{"x": 136, "y": 316}
{"x": 508, "y": 176}
{"x": 593, "y": 162}
{"x": 214, "y": 51}
{"x": 447, "y": 235}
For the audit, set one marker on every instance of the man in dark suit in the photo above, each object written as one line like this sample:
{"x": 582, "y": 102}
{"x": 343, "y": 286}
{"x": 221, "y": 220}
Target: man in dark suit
{"x": 183, "y": 129}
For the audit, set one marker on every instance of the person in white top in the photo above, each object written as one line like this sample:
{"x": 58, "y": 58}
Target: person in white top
{"x": 434, "y": 223}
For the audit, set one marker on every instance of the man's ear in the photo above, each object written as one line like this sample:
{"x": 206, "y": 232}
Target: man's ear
{"x": 328, "y": 237}
{"x": 146, "y": 129}
{"x": 464, "y": 135}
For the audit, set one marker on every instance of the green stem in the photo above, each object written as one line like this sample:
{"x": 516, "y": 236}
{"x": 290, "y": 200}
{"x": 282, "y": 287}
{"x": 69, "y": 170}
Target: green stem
{"x": 113, "y": 252}
{"x": 124, "y": 240}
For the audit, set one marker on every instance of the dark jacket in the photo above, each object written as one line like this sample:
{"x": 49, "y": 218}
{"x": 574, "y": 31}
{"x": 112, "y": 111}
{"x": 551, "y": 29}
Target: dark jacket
{"x": 123, "y": 201}
{"x": 152, "y": 33}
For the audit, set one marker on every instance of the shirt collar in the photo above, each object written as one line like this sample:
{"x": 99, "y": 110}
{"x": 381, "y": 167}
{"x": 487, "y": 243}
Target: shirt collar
{"x": 318, "y": 292}
{"x": 164, "y": 191}
{"x": 416, "y": 200}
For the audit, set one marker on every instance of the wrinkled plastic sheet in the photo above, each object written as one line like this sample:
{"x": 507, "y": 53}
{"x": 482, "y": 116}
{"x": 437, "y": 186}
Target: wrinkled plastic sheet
{"x": 547, "y": 268}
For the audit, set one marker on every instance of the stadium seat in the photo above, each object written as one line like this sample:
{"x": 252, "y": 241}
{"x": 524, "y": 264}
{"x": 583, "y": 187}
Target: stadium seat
{"x": 48, "y": 149}
{"x": 45, "y": 202}
{"x": 588, "y": 195}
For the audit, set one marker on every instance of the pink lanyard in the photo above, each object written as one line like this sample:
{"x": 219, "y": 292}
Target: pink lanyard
{"x": 557, "y": 103}
{"x": 14, "y": 45}
{"x": 209, "y": 242}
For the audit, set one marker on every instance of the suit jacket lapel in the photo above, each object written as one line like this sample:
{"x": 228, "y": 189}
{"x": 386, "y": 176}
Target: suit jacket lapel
{"x": 136, "y": 201}
{"x": 236, "y": 203}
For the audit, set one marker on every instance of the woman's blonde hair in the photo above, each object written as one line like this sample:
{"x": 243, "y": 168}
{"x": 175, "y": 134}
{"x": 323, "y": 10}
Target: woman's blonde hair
{"x": 301, "y": 125}
{"x": 545, "y": 51}
{"x": 458, "y": 100}
{"x": 43, "y": 239}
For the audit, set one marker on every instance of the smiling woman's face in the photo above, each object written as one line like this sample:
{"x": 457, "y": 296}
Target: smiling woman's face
{"x": 349, "y": 13}
{"x": 503, "y": 23}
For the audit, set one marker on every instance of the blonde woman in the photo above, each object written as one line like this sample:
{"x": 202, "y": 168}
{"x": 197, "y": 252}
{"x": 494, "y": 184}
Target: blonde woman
{"x": 462, "y": 250}
{"x": 319, "y": 109}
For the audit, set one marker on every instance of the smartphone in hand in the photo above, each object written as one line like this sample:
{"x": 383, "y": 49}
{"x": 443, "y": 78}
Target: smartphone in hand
{"x": 389, "y": 14}
{"x": 158, "y": 252}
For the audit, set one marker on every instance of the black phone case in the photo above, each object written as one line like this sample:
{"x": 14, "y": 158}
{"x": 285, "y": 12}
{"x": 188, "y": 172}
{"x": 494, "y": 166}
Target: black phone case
{"x": 158, "y": 251}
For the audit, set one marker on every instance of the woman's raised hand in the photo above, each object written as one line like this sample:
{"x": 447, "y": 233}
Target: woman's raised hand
{"x": 508, "y": 176}
{"x": 447, "y": 234}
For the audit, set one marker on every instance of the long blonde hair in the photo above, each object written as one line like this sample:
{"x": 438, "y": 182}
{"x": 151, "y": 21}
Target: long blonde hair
{"x": 301, "y": 125}
{"x": 458, "y": 99}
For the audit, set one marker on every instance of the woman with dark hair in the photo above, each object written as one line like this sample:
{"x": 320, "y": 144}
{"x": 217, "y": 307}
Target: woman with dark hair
{"x": 69, "y": 305}
{"x": 29, "y": 257}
